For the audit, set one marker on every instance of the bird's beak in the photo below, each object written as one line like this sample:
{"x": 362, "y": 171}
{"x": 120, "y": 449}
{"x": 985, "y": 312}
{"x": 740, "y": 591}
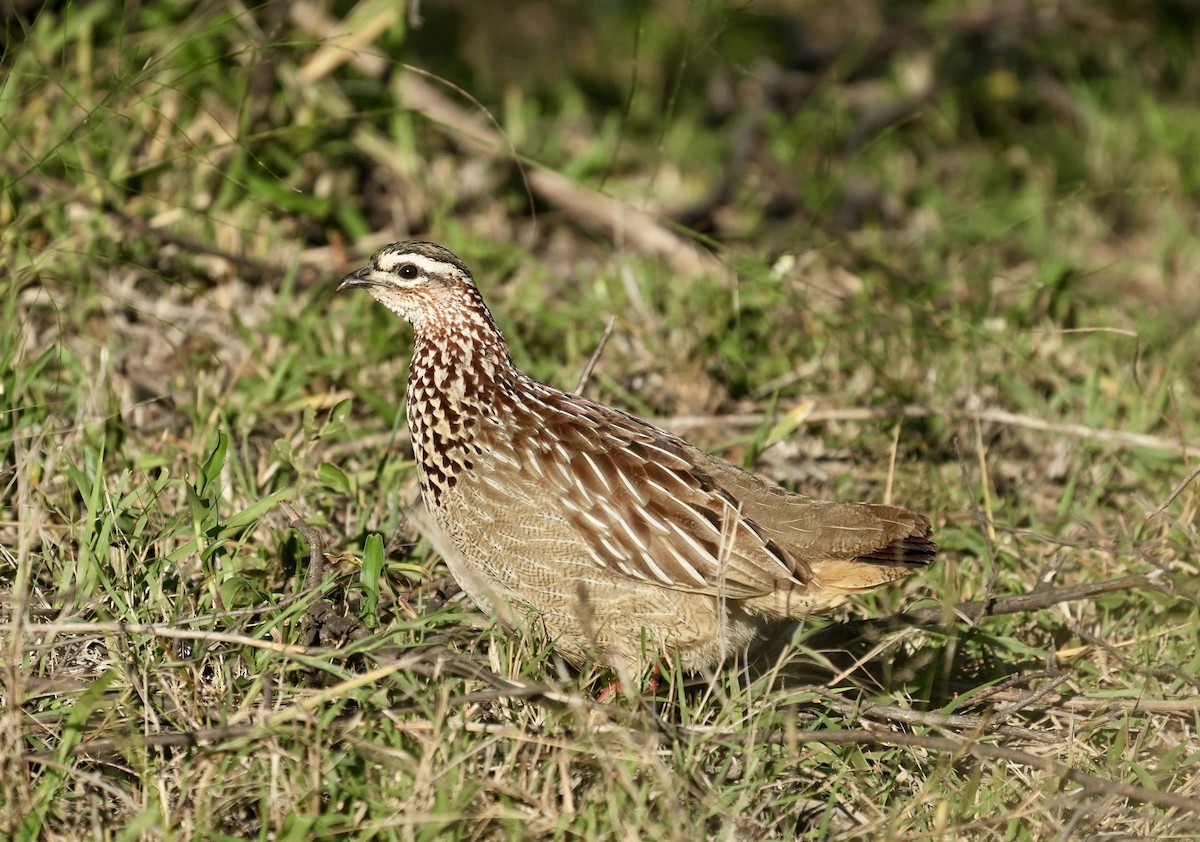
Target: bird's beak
{"x": 364, "y": 277}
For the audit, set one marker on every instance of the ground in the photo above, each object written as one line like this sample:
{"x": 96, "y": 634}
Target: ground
{"x": 941, "y": 255}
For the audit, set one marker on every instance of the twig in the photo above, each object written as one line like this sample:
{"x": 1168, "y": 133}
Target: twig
{"x": 1175, "y": 492}
{"x": 985, "y": 489}
{"x": 1176, "y": 707}
{"x": 436, "y": 661}
{"x": 322, "y": 621}
{"x": 984, "y": 516}
{"x": 586, "y": 374}
{"x": 164, "y": 630}
{"x": 974, "y": 610}
{"x": 833, "y": 636}
{"x": 1167, "y": 671}
{"x": 1028, "y": 699}
{"x": 934, "y": 719}
{"x": 664, "y": 732}
{"x": 1033, "y": 601}
{"x": 316, "y": 547}
{"x": 1002, "y": 689}
{"x": 893, "y": 454}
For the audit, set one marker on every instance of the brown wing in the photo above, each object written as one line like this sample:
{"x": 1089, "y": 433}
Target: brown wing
{"x": 648, "y": 510}
{"x": 659, "y": 510}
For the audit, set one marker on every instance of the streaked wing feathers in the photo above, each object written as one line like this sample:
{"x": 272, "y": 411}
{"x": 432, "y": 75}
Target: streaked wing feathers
{"x": 651, "y": 514}
{"x": 664, "y": 512}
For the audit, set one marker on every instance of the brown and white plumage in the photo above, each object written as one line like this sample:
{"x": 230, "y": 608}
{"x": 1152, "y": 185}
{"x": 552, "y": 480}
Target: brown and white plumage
{"x": 617, "y": 537}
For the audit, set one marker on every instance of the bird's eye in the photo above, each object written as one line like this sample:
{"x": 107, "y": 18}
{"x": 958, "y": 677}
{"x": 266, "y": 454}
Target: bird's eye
{"x": 409, "y": 272}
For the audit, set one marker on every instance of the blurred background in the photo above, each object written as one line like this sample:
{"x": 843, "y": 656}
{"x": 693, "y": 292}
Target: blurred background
{"x": 942, "y": 254}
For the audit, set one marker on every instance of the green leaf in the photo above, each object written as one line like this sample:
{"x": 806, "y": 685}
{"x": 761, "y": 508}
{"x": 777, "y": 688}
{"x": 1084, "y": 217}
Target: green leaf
{"x": 183, "y": 551}
{"x": 200, "y": 509}
{"x": 334, "y": 477}
{"x": 337, "y": 418}
{"x": 237, "y": 591}
{"x": 252, "y": 513}
{"x": 288, "y": 198}
{"x": 789, "y": 423}
{"x": 352, "y": 221}
{"x": 283, "y": 447}
{"x": 369, "y": 576}
{"x": 215, "y": 463}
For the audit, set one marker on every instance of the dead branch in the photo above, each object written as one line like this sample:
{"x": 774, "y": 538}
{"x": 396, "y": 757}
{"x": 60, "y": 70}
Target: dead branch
{"x": 834, "y": 636}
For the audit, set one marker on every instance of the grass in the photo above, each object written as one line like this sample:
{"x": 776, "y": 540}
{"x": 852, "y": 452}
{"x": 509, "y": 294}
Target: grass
{"x": 1010, "y": 256}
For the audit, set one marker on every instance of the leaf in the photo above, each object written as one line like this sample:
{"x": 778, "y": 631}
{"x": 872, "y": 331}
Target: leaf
{"x": 369, "y": 576}
{"x": 184, "y": 550}
{"x": 214, "y": 464}
{"x": 337, "y": 418}
{"x": 94, "y": 698}
{"x": 238, "y": 591}
{"x": 283, "y": 448}
{"x": 200, "y": 509}
{"x": 252, "y": 513}
{"x": 334, "y": 477}
{"x": 789, "y": 423}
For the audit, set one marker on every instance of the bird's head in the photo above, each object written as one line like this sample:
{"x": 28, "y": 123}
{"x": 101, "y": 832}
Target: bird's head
{"x": 419, "y": 281}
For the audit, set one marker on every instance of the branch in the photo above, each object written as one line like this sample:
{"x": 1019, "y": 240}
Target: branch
{"x": 974, "y": 611}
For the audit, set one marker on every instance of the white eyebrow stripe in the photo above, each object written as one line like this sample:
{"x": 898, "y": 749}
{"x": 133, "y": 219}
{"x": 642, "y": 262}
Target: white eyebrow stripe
{"x": 391, "y": 261}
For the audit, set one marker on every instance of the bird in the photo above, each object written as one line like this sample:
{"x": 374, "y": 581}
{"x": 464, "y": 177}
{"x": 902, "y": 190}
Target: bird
{"x": 617, "y": 539}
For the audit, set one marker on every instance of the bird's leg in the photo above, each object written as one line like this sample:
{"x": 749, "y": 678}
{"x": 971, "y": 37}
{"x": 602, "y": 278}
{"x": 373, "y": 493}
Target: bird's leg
{"x": 611, "y": 690}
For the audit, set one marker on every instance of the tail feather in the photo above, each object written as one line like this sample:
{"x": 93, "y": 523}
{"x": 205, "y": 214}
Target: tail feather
{"x": 911, "y": 552}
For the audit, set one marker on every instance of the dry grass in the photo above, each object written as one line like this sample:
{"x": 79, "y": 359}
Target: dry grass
{"x": 951, "y": 265}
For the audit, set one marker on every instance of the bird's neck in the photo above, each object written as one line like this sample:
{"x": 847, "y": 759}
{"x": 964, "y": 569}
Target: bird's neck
{"x": 461, "y": 374}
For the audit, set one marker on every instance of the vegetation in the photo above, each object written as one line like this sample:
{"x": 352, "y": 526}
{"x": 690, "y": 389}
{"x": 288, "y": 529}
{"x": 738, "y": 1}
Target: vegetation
{"x": 942, "y": 254}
